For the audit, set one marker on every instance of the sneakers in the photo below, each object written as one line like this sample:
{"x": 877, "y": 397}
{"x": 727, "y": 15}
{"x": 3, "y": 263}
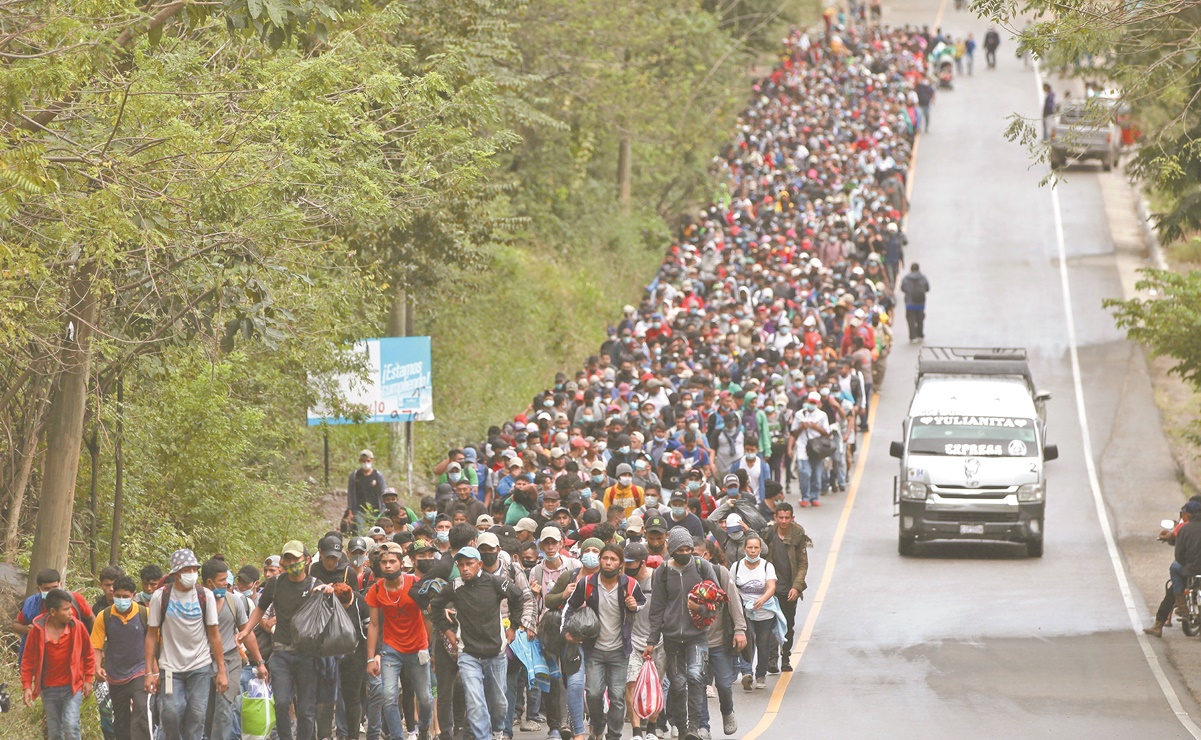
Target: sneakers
{"x": 747, "y": 682}
{"x": 805, "y": 503}
{"x": 773, "y": 669}
{"x": 729, "y": 723}
{"x": 816, "y": 503}
{"x": 759, "y": 683}
{"x": 530, "y": 725}
{"x": 786, "y": 667}
{"x": 553, "y": 735}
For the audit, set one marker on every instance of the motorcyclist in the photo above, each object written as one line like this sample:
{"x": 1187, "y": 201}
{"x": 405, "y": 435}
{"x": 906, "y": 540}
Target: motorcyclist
{"x": 1188, "y": 555}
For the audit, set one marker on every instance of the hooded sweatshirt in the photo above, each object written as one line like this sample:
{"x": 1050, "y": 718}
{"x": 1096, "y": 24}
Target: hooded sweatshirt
{"x": 669, "y": 595}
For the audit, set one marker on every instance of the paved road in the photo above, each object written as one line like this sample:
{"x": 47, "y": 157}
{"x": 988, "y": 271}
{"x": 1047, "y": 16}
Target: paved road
{"x": 982, "y": 641}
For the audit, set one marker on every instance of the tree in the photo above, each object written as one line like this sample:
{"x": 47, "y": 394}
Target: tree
{"x": 1170, "y": 323}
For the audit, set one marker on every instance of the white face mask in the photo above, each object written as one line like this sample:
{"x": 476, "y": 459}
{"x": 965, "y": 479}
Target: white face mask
{"x": 367, "y": 466}
{"x": 188, "y": 580}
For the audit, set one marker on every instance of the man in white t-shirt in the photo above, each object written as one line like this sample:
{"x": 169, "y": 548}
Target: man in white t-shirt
{"x": 808, "y": 423}
{"x": 191, "y": 646}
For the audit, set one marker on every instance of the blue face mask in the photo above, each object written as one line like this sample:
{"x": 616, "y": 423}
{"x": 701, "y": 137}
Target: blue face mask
{"x": 431, "y": 515}
{"x": 590, "y": 559}
{"x": 454, "y": 477}
{"x": 220, "y": 592}
{"x": 122, "y": 605}
{"x": 442, "y": 536}
{"x": 624, "y": 450}
{"x": 694, "y": 485}
{"x": 679, "y": 511}
{"x": 598, "y": 479}
{"x": 753, "y": 560}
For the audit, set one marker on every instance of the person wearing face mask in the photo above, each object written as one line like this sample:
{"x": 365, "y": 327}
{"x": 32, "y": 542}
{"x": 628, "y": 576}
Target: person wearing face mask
{"x": 624, "y": 493}
{"x": 47, "y": 579}
{"x": 727, "y": 637}
{"x": 755, "y": 467}
{"x": 397, "y": 643}
{"x": 598, "y": 480}
{"x": 555, "y": 562}
{"x": 686, "y": 646}
{"x": 231, "y": 616}
{"x": 358, "y": 570}
{"x": 621, "y": 454}
{"x": 678, "y": 515}
{"x": 293, "y": 675}
{"x": 809, "y": 423}
{"x": 556, "y": 598}
{"x": 119, "y": 641}
{"x": 499, "y": 563}
{"x": 700, "y": 493}
{"x": 150, "y": 575}
{"x": 442, "y": 527}
{"x": 644, "y": 476}
{"x": 364, "y": 493}
{"x": 636, "y": 554}
{"x": 756, "y": 581}
{"x": 513, "y": 469}
{"x": 183, "y": 621}
{"x": 615, "y": 598}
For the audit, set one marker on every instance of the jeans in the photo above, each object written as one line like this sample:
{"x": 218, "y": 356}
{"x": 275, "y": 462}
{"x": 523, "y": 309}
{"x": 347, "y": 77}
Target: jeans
{"x": 451, "y": 708}
{"x": 574, "y": 692}
{"x": 224, "y": 704}
{"x": 925, "y": 117}
{"x": 839, "y": 466}
{"x": 760, "y": 644}
{"x": 129, "y": 709}
{"x": 721, "y": 672}
{"x": 484, "y": 690}
{"x": 789, "y": 609}
{"x": 606, "y": 671}
{"x": 1179, "y": 575}
{"x": 811, "y": 482}
{"x": 397, "y": 667}
{"x": 294, "y": 680}
{"x": 916, "y": 318}
{"x": 61, "y": 706}
{"x": 518, "y": 682}
{"x": 687, "y": 664}
{"x": 182, "y": 711}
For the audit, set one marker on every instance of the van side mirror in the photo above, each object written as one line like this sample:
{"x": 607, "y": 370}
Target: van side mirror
{"x": 1050, "y": 452}
{"x": 897, "y": 450}
{"x": 1042, "y": 396}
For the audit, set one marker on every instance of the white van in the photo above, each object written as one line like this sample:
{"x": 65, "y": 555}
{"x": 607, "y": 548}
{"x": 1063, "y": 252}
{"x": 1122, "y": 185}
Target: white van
{"x": 974, "y": 451}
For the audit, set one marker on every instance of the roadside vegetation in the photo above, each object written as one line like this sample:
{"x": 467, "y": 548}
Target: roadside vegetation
{"x": 200, "y": 204}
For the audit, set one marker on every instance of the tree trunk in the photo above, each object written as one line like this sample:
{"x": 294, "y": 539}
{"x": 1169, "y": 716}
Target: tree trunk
{"x": 28, "y": 453}
{"x": 64, "y": 433}
{"x": 624, "y": 173}
{"x": 114, "y": 545}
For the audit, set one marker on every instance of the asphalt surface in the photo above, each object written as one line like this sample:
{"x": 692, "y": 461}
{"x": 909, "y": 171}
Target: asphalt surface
{"x": 970, "y": 640}
{"x": 979, "y": 640}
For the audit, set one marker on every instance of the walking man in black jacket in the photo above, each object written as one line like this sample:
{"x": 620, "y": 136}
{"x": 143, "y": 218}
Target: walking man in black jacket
{"x": 915, "y": 286}
{"x": 477, "y": 596}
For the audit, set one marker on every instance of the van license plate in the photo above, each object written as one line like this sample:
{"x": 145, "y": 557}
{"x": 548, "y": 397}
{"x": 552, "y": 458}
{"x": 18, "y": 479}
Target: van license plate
{"x": 971, "y": 529}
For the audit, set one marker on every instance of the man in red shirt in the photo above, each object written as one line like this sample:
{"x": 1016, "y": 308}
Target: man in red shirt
{"x": 59, "y": 665}
{"x": 405, "y": 644}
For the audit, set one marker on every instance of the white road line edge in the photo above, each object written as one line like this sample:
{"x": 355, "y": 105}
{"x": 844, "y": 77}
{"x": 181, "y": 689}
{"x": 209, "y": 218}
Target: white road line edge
{"x": 1115, "y": 558}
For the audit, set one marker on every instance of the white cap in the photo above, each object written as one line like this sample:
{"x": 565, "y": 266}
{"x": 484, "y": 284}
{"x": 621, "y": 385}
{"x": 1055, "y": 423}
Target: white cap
{"x": 733, "y": 519}
{"x": 487, "y": 538}
{"x": 551, "y": 533}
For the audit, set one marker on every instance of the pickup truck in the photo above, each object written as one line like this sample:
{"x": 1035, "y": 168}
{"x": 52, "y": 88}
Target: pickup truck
{"x": 1082, "y": 131}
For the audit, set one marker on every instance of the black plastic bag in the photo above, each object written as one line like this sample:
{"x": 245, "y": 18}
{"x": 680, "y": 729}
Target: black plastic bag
{"x": 550, "y": 632}
{"x": 819, "y": 448}
{"x": 311, "y": 622}
{"x": 584, "y": 624}
{"x": 341, "y": 637}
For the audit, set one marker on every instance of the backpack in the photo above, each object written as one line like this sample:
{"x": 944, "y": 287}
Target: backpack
{"x": 750, "y": 425}
{"x": 201, "y": 598}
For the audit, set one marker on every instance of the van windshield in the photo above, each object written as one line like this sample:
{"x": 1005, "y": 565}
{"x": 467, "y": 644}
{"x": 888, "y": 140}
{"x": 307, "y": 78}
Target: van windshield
{"x": 985, "y": 436}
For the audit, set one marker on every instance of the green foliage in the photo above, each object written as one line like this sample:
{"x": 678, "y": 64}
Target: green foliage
{"x": 1170, "y": 322}
{"x": 1148, "y": 52}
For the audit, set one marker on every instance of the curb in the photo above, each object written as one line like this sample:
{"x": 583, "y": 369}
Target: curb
{"x": 1155, "y": 252}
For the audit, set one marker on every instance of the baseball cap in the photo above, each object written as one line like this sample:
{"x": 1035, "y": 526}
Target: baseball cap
{"x": 733, "y": 519}
{"x": 271, "y": 562}
{"x": 330, "y": 545}
{"x": 635, "y": 524}
{"x": 468, "y": 552}
{"x": 390, "y": 491}
{"x": 367, "y": 453}
{"x": 375, "y": 530}
{"x": 516, "y": 463}
{"x": 598, "y": 466}
{"x": 556, "y": 453}
{"x": 487, "y": 538}
{"x": 249, "y": 574}
{"x": 730, "y": 478}
{"x": 551, "y": 533}
{"x": 357, "y": 544}
{"x": 295, "y": 548}
{"x": 525, "y": 524}
{"x": 636, "y": 551}
{"x": 1192, "y": 507}
{"x": 656, "y": 523}
{"x": 454, "y": 466}
{"x": 484, "y": 519}
{"x": 814, "y": 398}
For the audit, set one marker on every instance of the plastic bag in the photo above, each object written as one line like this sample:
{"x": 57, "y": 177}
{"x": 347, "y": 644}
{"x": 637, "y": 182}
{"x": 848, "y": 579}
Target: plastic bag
{"x": 258, "y": 710}
{"x": 648, "y": 692}
{"x": 584, "y": 624}
{"x": 342, "y": 635}
{"x": 310, "y": 623}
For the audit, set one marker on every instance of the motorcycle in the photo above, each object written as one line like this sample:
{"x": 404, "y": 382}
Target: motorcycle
{"x": 1190, "y": 621}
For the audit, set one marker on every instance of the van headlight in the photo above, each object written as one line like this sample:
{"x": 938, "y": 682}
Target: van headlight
{"x": 914, "y": 491}
{"x": 1030, "y": 492}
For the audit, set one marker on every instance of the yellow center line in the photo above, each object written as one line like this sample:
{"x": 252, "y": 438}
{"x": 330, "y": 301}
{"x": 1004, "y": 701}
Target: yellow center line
{"x": 819, "y": 598}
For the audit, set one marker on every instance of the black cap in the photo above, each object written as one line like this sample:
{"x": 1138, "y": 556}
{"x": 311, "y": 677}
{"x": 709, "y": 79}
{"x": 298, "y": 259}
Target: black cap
{"x": 636, "y": 551}
{"x": 330, "y": 545}
{"x": 656, "y": 523}
{"x": 677, "y": 496}
{"x": 249, "y": 574}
